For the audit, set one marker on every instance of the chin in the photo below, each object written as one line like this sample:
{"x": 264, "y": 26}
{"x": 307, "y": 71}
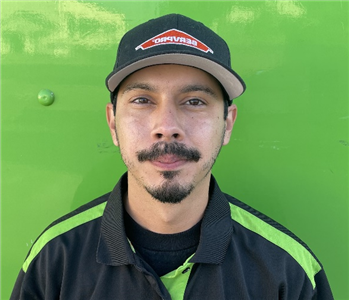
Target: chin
{"x": 170, "y": 192}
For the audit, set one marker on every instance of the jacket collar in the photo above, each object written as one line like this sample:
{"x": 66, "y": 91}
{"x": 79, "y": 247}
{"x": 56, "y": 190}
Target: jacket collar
{"x": 114, "y": 248}
{"x": 216, "y": 229}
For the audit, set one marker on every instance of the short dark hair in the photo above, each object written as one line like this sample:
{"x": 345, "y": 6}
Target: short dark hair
{"x": 227, "y": 101}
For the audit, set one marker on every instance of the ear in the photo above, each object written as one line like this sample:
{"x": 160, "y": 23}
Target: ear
{"x": 111, "y": 123}
{"x": 229, "y": 123}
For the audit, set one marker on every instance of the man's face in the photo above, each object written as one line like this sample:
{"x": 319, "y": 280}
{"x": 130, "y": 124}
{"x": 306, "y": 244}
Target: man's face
{"x": 169, "y": 126}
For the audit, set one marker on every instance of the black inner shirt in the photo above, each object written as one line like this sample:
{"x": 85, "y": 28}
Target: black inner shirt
{"x": 163, "y": 252}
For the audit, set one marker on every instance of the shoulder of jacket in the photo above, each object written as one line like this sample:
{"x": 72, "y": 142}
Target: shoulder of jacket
{"x": 84, "y": 214}
{"x": 276, "y": 234}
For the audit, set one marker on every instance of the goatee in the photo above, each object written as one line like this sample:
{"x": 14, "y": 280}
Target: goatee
{"x": 169, "y": 191}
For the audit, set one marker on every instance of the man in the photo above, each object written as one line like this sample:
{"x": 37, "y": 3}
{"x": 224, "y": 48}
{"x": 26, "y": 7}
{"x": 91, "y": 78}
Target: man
{"x": 167, "y": 231}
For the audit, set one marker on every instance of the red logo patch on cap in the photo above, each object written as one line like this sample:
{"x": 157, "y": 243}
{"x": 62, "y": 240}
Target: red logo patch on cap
{"x": 174, "y": 36}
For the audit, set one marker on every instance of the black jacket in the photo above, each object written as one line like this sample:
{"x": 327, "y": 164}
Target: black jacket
{"x": 242, "y": 254}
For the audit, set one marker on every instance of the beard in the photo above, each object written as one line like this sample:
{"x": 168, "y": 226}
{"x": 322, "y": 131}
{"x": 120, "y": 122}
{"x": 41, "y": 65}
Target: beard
{"x": 170, "y": 190}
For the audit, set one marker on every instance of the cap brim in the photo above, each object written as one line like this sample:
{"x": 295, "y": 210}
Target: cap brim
{"x": 231, "y": 82}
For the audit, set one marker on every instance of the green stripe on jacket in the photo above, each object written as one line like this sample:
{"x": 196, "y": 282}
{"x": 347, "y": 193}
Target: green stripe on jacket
{"x": 305, "y": 259}
{"x": 62, "y": 227}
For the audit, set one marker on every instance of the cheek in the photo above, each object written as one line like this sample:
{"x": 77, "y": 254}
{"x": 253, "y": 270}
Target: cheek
{"x": 207, "y": 134}
{"x": 212, "y": 127}
{"x": 130, "y": 130}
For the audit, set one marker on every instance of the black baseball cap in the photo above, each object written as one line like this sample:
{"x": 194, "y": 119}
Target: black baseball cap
{"x": 175, "y": 39}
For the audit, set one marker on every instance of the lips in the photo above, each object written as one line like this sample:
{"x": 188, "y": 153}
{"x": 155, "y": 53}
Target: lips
{"x": 169, "y": 162}
{"x": 169, "y": 159}
{"x": 168, "y": 153}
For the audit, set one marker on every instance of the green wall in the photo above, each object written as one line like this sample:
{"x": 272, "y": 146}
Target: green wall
{"x": 290, "y": 147}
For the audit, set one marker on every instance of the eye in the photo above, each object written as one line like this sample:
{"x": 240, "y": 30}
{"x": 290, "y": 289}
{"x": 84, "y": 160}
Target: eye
{"x": 141, "y": 100}
{"x": 195, "y": 102}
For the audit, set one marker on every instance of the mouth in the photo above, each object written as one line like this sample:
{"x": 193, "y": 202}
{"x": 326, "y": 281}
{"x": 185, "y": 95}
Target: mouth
{"x": 169, "y": 162}
{"x": 169, "y": 159}
{"x": 169, "y": 154}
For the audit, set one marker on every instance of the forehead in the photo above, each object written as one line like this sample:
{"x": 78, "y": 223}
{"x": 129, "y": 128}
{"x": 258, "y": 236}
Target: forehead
{"x": 171, "y": 76}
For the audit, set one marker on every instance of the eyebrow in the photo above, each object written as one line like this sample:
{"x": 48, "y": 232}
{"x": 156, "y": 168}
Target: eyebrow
{"x": 139, "y": 86}
{"x": 199, "y": 88}
{"x": 186, "y": 89}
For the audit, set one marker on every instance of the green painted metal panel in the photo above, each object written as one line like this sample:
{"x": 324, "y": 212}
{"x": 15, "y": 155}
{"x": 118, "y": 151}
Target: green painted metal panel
{"x": 289, "y": 154}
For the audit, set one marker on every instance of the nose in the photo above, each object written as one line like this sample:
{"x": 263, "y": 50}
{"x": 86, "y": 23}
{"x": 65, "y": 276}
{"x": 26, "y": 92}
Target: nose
{"x": 167, "y": 124}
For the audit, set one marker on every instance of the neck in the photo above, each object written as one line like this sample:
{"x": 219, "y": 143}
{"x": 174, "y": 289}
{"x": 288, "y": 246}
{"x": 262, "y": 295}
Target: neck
{"x": 166, "y": 218}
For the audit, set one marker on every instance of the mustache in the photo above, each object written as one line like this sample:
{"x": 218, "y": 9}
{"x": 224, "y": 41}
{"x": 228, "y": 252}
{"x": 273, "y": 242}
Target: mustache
{"x": 162, "y": 148}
